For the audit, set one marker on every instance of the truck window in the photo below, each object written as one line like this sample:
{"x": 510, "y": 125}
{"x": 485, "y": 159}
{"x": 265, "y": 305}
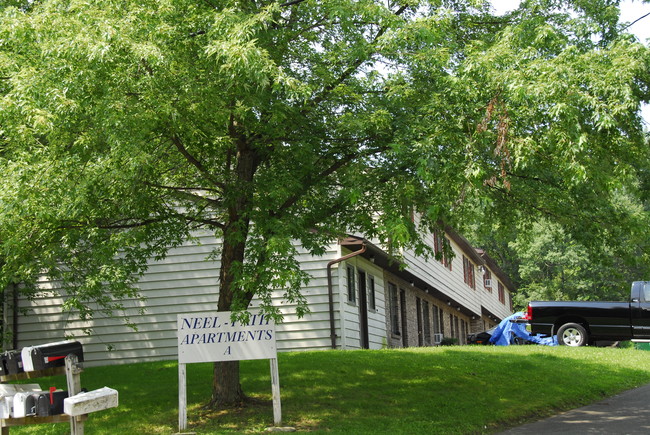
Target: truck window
{"x": 646, "y": 292}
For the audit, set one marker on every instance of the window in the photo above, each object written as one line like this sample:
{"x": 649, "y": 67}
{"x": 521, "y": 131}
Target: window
{"x": 427, "y": 325}
{"x": 418, "y": 314}
{"x": 468, "y": 272}
{"x": 442, "y": 249}
{"x": 372, "y": 304}
{"x": 352, "y": 291}
{"x": 436, "y": 320}
{"x": 502, "y": 294}
{"x": 438, "y": 246}
{"x": 463, "y": 332}
{"x": 362, "y": 282}
{"x": 405, "y": 328}
{"x": 487, "y": 280}
{"x": 394, "y": 315}
{"x": 646, "y": 292}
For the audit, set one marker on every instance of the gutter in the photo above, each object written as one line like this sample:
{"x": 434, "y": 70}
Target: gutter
{"x": 330, "y": 292}
{"x": 14, "y": 333}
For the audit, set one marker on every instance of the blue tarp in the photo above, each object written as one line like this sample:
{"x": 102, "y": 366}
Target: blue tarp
{"x": 505, "y": 333}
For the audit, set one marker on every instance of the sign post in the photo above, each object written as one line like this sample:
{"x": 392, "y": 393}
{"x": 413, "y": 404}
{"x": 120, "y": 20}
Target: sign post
{"x": 210, "y": 337}
{"x": 182, "y": 397}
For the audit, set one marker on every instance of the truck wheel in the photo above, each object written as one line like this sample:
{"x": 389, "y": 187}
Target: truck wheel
{"x": 572, "y": 334}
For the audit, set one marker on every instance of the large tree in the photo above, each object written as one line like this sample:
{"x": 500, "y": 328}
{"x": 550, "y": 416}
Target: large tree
{"x": 125, "y": 125}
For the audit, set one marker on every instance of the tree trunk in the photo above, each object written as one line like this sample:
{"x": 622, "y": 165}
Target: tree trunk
{"x": 226, "y": 388}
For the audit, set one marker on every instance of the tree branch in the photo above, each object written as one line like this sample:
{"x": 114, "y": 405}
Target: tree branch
{"x": 635, "y": 21}
{"x": 186, "y": 192}
{"x": 182, "y": 188}
{"x": 193, "y": 161}
{"x": 308, "y": 182}
{"x": 210, "y": 3}
{"x": 351, "y": 69}
{"x": 122, "y": 224}
{"x": 291, "y": 3}
{"x": 208, "y": 222}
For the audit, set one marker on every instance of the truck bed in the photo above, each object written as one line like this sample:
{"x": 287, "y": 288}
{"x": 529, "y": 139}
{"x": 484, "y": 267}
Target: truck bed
{"x": 605, "y": 319}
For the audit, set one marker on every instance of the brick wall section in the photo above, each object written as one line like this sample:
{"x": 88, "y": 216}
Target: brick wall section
{"x": 449, "y": 314}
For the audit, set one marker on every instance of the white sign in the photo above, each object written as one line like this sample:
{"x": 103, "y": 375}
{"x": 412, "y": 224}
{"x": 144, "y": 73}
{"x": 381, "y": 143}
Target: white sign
{"x": 209, "y": 337}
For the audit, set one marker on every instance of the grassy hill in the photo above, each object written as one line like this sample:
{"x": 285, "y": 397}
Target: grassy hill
{"x": 446, "y": 390}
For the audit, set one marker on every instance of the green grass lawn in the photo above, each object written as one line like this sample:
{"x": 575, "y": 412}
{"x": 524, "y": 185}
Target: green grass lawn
{"x": 443, "y": 390}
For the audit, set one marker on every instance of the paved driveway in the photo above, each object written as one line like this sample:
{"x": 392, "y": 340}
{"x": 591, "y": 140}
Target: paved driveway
{"x": 627, "y": 413}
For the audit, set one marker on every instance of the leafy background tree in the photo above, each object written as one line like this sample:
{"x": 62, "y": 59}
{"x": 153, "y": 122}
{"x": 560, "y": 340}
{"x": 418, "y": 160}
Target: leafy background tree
{"x": 126, "y": 126}
{"x": 546, "y": 263}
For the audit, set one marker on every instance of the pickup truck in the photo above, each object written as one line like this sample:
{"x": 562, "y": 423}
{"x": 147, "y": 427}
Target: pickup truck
{"x": 582, "y": 323}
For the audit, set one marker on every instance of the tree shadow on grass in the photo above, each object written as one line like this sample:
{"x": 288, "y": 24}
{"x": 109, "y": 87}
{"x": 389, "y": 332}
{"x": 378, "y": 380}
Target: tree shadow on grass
{"x": 425, "y": 390}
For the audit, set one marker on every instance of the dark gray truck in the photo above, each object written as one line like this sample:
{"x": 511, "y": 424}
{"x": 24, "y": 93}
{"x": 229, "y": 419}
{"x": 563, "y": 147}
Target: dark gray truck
{"x": 582, "y": 323}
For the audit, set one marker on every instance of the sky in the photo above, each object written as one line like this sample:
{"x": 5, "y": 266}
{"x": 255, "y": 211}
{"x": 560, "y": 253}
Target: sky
{"x": 631, "y": 10}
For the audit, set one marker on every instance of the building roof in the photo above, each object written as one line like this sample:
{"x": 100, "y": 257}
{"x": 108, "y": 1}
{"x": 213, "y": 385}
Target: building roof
{"x": 492, "y": 265}
{"x": 393, "y": 265}
{"x": 464, "y": 245}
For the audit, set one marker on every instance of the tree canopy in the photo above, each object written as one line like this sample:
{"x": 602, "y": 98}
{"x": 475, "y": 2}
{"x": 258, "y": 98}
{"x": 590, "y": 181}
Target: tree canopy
{"x": 124, "y": 126}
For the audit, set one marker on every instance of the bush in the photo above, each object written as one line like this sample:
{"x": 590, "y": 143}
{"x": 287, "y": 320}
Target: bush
{"x": 449, "y": 341}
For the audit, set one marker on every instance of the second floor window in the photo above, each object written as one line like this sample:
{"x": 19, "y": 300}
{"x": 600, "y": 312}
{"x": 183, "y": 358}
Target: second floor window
{"x": 468, "y": 272}
{"x": 442, "y": 249}
{"x": 487, "y": 280}
{"x": 502, "y": 294}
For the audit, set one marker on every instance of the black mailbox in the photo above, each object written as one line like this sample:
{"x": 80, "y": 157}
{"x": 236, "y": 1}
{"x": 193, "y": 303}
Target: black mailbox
{"x": 50, "y": 355}
{"x": 11, "y": 363}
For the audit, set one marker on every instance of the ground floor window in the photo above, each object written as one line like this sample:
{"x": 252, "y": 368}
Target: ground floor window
{"x": 463, "y": 332}
{"x": 418, "y": 314}
{"x": 352, "y": 294}
{"x": 436, "y": 320}
{"x": 393, "y": 307}
{"x": 451, "y": 325}
{"x": 427, "y": 325}
{"x": 403, "y": 314}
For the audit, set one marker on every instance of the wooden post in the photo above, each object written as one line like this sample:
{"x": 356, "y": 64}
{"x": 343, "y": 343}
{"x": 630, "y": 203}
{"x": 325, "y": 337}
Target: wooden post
{"x": 275, "y": 388}
{"x": 182, "y": 397}
{"x": 72, "y": 374}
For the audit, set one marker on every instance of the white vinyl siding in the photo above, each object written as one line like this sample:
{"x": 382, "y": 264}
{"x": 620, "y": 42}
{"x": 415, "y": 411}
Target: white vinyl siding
{"x": 376, "y": 317}
{"x": 185, "y": 282}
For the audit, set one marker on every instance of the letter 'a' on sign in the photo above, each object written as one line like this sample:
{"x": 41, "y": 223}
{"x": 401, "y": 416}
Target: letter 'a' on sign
{"x": 210, "y": 337}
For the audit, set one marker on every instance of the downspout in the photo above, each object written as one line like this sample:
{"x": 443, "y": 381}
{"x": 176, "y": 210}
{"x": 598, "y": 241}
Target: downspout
{"x": 5, "y": 318}
{"x": 330, "y": 292}
{"x": 14, "y": 332}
